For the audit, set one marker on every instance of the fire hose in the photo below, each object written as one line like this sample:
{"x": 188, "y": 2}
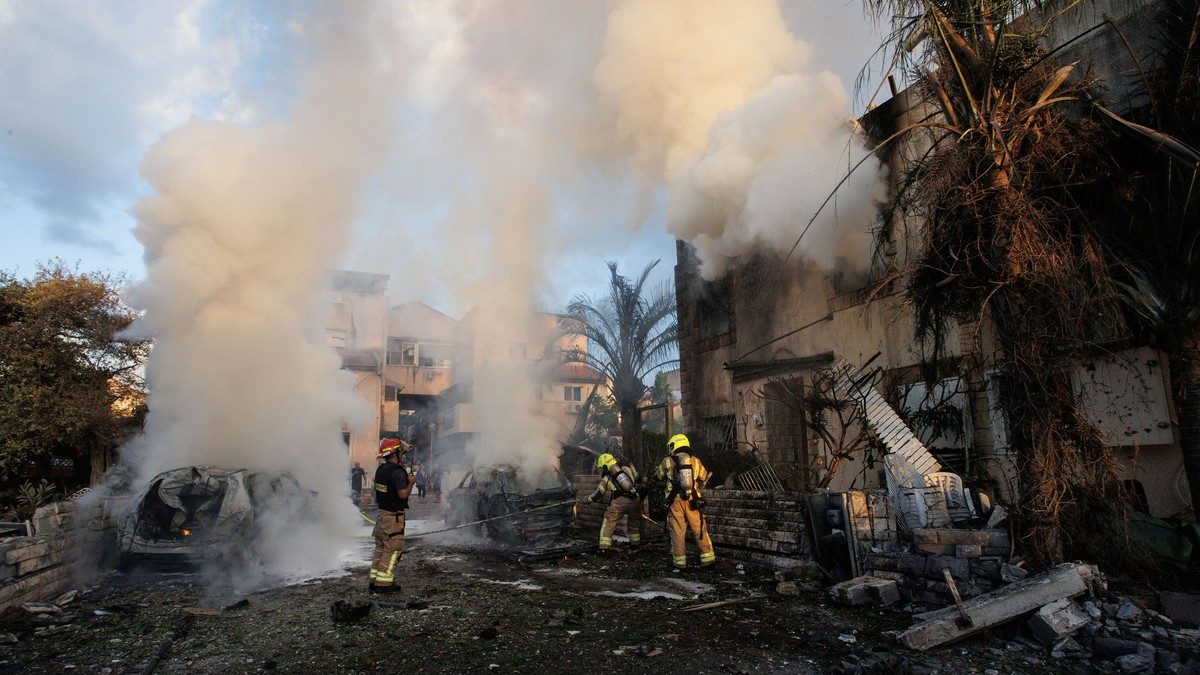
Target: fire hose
{"x": 485, "y": 520}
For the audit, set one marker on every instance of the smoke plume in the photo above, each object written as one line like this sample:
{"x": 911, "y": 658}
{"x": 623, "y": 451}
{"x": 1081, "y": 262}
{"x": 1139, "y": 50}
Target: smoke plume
{"x": 716, "y": 99}
{"x": 241, "y": 226}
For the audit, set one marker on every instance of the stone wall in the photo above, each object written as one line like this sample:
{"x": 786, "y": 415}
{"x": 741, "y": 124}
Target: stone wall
{"x": 68, "y": 543}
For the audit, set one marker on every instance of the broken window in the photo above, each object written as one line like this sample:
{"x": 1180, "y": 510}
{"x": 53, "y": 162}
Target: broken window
{"x": 939, "y": 417}
{"x": 713, "y": 308}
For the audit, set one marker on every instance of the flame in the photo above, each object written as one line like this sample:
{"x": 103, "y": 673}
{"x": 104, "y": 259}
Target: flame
{"x": 186, "y": 532}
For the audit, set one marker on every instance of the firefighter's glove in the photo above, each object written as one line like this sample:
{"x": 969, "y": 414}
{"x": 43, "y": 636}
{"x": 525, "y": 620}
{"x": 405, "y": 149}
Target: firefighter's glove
{"x": 591, "y": 499}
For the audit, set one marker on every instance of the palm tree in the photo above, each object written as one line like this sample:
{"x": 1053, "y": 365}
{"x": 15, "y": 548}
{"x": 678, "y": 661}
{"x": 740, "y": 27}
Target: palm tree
{"x": 631, "y": 332}
{"x": 1002, "y": 178}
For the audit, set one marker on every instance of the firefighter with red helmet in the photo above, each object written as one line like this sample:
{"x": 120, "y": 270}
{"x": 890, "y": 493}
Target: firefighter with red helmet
{"x": 392, "y": 485}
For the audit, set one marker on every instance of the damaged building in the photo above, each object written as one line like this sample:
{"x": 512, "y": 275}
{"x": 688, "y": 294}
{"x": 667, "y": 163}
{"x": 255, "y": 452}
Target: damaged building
{"x": 754, "y": 345}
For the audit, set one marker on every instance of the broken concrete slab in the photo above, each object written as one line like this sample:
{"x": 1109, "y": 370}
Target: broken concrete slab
{"x": 865, "y": 591}
{"x": 1057, "y": 620}
{"x": 1002, "y": 605}
{"x": 1180, "y": 607}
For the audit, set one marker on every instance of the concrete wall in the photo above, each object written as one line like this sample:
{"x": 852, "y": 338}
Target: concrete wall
{"x": 68, "y": 544}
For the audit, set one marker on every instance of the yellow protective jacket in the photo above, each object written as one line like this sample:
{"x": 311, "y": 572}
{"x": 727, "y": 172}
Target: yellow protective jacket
{"x": 666, "y": 472}
{"x": 608, "y": 488}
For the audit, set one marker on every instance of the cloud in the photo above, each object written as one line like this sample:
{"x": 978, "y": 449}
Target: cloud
{"x": 88, "y": 86}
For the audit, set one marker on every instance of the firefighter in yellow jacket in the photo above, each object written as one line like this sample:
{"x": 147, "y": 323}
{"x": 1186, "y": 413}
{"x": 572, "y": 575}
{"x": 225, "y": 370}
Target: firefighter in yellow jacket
{"x": 685, "y": 475}
{"x": 619, "y": 488}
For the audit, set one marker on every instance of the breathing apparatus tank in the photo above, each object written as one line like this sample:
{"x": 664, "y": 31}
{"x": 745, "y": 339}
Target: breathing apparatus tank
{"x": 684, "y": 482}
{"x": 625, "y": 483}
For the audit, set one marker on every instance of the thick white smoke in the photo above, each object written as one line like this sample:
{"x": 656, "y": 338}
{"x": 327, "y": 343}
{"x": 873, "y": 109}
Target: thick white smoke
{"x": 717, "y": 99}
{"x": 242, "y": 224}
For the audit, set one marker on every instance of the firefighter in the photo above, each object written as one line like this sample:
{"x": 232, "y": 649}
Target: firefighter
{"x": 685, "y": 475}
{"x": 619, "y": 488}
{"x": 392, "y": 485}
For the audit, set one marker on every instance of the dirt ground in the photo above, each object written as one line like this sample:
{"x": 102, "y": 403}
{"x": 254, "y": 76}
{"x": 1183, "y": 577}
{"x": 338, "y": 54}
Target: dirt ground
{"x": 487, "y": 610}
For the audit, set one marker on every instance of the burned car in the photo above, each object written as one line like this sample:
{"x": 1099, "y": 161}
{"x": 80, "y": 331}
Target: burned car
{"x": 188, "y": 514}
{"x": 490, "y": 491}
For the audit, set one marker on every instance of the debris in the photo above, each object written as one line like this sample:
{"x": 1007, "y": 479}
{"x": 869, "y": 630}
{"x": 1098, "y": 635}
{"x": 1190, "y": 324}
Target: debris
{"x": 1066, "y": 648}
{"x": 240, "y": 604}
{"x": 1128, "y": 611}
{"x": 1006, "y": 603}
{"x": 490, "y": 632}
{"x": 413, "y": 604}
{"x": 1057, "y": 620}
{"x": 719, "y": 603}
{"x": 1180, "y": 607}
{"x": 866, "y": 590}
{"x": 963, "y": 619}
{"x": 202, "y": 611}
{"x": 787, "y": 588}
{"x": 8, "y": 638}
{"x": 54, "y": 630}
{"x": 650, "y": 652}
{"x": 41, "y": 608}
{"x": 181, "y": 629}
{"x": 349, "y": 612}
{"x": 1011, "y": 573}
{"x": 847, "y": 638}
{"x": 65, "y": 599}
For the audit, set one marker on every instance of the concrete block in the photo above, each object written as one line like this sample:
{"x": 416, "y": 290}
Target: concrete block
{"x": 935, "y": 549}
{"x": 925, "y": 536}
{"x": 959, "y": 567}
{"x": 967, "y": 551}
{"x": 987, "y": 568}
{"x": 1001, "y": 605}
{"x": 866, "y": 591}
{"x": 33, "y": 564}
{"x": 877, "y": 561}
{"x": 1180, "y": 607}
{"x": 911, "y": 564}
{"x": 1057, "y": 620}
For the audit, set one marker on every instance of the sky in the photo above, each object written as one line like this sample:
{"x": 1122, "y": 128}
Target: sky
{"x": 89, "y": 87}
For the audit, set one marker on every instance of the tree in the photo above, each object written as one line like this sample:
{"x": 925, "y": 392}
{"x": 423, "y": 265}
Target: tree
{"x": 660, "y": 392}
{"x": 1008, "y": 177}
{"x": 631, "y": 333}
{"x": 68, "y": 384}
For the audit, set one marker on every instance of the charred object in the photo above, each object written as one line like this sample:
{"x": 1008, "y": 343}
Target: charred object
{"x": 190, "y": 514}
{"x": 493, "y": 491}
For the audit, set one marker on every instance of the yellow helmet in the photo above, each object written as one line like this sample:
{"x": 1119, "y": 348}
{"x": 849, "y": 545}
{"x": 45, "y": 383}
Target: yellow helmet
{"x": 603, "y": 462}
{"x": 678, "y": 441}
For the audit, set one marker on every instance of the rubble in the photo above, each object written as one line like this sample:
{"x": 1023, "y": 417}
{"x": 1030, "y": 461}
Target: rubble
{"x": 1064, "y": 581}
{"x": 1180, "y": 607}
{"x": 1057, "y": 620}
{"x": 865, "y": 590}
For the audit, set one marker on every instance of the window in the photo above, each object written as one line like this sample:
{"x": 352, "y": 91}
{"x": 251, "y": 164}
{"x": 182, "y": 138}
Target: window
{"x": 401, "y": 352}
{"x": 572, "y": 393}
{"x": 712, "y": 308}
{"x": 434, "y": 355}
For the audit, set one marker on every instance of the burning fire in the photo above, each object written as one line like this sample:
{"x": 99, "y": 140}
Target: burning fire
{"x": 186, "y": 532}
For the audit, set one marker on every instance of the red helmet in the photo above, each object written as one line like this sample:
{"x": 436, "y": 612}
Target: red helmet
{"x": 389, "y": 445}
